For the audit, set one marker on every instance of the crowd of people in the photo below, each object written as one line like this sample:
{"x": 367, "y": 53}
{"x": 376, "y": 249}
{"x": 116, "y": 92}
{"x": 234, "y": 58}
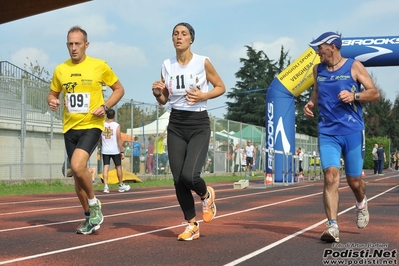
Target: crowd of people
{"x": 238, "y": 158}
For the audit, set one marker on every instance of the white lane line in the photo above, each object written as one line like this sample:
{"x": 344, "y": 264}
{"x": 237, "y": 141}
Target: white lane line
{"x": 131, "y": 236}
{"x": 172, "y": 227}
{"x": 272, "y": 245}
{"x": 125, "y": 213}
{"x": 74, "y": 197}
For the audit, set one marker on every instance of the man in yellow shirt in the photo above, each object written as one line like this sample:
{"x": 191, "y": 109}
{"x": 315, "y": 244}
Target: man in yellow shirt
{"x": 81, "y": 79}
{"x": 160, "y": 157}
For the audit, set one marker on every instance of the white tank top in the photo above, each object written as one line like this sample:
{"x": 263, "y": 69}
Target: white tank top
{"x": 109, "y": 139}
{"x": 249, "y": 151}
{"x": 179, "y": 78}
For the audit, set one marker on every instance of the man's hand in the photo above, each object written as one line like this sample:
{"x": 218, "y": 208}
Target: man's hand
{"x": 307, "y": 109}
{"x": 54, "y": 104}
{"x": 99, "y": 112}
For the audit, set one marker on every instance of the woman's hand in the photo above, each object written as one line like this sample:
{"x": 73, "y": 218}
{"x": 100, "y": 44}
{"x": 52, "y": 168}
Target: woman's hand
{"x": 194, "y": 95}
{"x": 157, "y": 88}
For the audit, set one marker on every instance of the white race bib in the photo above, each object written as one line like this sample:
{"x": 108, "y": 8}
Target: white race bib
{"x": 78, "y": 102}
{"x": 180, "y": 83}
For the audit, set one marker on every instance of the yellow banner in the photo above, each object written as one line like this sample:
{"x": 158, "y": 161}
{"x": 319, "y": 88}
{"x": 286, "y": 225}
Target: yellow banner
{"x": 298, "y": 76}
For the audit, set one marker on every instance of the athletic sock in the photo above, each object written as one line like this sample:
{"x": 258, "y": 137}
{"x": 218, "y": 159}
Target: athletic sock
{"x": 360, "y": 205}
{"x": 93, "y": 201}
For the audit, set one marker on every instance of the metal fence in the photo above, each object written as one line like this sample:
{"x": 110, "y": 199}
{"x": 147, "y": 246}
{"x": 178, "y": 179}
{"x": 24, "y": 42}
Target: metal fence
{"x": 32, "y": 143}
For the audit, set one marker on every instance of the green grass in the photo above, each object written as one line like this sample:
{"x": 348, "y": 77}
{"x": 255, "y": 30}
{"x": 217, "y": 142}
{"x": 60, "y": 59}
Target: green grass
{"x": 36, "y": 187}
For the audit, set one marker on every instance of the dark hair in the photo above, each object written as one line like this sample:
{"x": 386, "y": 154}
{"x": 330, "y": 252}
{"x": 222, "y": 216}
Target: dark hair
{"x": 111, "y": 114}
{"x": 189, "y": 27}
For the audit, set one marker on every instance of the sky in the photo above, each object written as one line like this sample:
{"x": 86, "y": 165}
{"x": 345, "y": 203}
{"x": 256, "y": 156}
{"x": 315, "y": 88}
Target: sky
{"x": 135, "y": 36}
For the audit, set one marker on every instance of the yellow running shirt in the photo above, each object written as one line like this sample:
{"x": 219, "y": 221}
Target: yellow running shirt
{"x": 82, "y": 86}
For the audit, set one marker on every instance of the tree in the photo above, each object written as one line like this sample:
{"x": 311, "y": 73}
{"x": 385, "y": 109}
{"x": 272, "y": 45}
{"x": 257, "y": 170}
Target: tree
{"x": 249, "y": 95}
{"x": 36, "y": 70}
{"x": 140, "y": 116}
{"x": 394, "y": 125}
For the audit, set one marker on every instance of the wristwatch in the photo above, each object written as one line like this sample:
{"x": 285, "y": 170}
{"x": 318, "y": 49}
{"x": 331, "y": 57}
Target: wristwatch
{"x": 106, "y": 109}
{"x": 357, "y": 96}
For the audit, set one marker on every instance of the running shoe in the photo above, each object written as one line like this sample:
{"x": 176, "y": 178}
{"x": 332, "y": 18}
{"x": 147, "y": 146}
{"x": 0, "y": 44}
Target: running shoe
{"x": 209, "y": 206}
{"x": 191, "y": 232}
{"x": 106, "y": 189}
{"x": 96, "y": 216}
{"x": 362, "y": 216}
{"x": 86, "y": 228}
{"x": 123, "y": 188}
{"x": 331, "y": 234}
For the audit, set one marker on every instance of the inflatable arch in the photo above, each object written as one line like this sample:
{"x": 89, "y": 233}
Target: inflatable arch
{"x": 296, "y": 78}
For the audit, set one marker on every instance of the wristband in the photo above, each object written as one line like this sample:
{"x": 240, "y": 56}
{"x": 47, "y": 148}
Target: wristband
{"x": 157, "y": 95}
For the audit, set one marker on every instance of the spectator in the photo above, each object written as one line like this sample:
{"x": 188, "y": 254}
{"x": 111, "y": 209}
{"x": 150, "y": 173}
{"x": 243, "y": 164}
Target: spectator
{"x": 160, "y": 158}
{"x": 375, "y": 158}
{"x": 250, "y": 155}
{"x": 381, "y": 159}
{"x": 150, "y": 155}
{"x": 397, "y": 161}
{"x": 136, "y": 155}
{"x": 239, "y": 158}
{"x": 128, "y": 151}
{"x": 300, "y": 159}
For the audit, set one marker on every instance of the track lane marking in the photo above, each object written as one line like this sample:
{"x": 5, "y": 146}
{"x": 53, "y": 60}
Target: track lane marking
{"x": 270, "y": 246}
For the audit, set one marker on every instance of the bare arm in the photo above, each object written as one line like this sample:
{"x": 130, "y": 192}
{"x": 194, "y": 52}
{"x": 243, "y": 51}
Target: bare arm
{"x": 119, "y": 138}
{"x": 307, "y": 109}
{"x": 361, "y": 75}
{"x": 52, "y": 100}
{"x": 160, "y": 92}
{"x": 117, "y": 93}
{"x": 119, "y": 141}
{"x": 213, "y": 77}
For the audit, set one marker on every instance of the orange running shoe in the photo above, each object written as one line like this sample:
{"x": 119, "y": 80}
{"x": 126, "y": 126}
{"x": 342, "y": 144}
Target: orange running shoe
{"x": 191, "y": 232}
{"x": 209, "y": 206}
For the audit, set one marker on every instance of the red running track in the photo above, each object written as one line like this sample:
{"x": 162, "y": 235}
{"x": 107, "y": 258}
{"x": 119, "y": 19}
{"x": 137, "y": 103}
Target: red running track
{"x": 279, "y": 225}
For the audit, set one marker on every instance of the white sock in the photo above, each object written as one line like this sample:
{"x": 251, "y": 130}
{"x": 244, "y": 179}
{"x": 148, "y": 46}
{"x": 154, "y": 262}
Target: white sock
{"x": 360, "y": 205}
{"x": 93, "y": 201}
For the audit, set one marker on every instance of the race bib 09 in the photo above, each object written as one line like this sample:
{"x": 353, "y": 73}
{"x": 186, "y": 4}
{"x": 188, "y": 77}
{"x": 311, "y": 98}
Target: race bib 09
{"x": 77, "y": 102}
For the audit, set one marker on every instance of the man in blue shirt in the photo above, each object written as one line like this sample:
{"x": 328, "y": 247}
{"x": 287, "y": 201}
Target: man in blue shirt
{"x": 136, "y": 155}
{"x": 381, "y": 159}
{"x": 341, "y": 128}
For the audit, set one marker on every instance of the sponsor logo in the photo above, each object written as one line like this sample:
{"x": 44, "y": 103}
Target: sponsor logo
{"x": 368, "y": 56}
{"x": 270, "y": 134}
{"x": 369, "y": 41}
{"x": 280, "y": 130}
{"x": 273, "y": 134}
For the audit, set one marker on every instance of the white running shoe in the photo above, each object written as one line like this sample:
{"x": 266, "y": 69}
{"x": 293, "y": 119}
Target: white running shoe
{"x": 362, "y": 216}
{"x": 123, "y": 188}
{"x": 331, "y": 234}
